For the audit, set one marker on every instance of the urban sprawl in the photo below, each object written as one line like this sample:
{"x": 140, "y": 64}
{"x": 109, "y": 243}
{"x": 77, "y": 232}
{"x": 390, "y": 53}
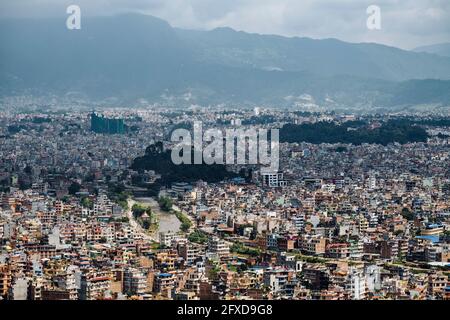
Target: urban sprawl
{"x": 79, "y": 220}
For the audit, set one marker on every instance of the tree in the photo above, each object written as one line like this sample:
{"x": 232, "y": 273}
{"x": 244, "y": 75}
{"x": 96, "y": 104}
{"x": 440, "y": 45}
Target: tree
{"x": 74, "y": 188}
{"x": 138, "y": 210}
{"x": 24, "y": 184}
{"x": 185, "y": 226}
{"x": 28, "y": 170}
{"x": 87, "y": 203}
{"x": 198, "y": 237}
{"x": 407, "y": 214}
{"x": 165, "y": 203}
{"x": 146, "y": 224}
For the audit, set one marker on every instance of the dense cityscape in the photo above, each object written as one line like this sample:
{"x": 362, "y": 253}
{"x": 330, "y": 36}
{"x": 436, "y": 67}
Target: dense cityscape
{"x": 84, "y": 215}
{"x": 224, "y": 159}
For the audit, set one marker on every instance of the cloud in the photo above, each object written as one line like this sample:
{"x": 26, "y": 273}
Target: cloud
{"x": 405, "y": 23}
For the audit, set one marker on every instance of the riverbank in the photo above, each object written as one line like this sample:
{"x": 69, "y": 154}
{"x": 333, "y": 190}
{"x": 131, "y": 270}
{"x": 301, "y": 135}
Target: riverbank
{"x": 167, "y": 222}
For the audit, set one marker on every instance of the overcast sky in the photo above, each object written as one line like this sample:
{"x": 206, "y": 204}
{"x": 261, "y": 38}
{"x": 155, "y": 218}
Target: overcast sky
{"x": 405, "y": 23}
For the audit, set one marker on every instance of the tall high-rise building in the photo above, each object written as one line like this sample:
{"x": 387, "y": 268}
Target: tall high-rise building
{"x": 101, "y": 124}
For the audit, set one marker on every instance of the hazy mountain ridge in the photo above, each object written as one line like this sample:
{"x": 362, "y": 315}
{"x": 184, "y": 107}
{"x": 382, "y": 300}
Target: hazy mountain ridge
{"x": 442, "y": 49}
{"x": 328, "y": 57}
{"x": 135, "y": 56}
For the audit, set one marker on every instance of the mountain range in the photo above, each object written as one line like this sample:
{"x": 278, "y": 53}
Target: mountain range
{"x": 134, "y": 57}
{"x": 442, "y": 49}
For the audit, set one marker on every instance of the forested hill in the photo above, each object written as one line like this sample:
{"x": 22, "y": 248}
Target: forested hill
{"x": 354, "y": 132}
{"x": 160, "y": 161}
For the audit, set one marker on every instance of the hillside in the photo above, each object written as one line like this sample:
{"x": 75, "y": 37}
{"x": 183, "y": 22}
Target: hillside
{"x": 132, "y": 57}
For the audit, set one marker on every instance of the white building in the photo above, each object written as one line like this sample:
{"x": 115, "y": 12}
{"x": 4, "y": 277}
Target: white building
{"x": 273, "y": 179}
{"x": 356, "y": 284}
{"x": 373, "y": 278}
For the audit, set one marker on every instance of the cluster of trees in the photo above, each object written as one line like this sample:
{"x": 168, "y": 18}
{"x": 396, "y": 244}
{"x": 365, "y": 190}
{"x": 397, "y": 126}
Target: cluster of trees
{"x": 198, "y": 236}
{"x": 185, "y": 222}
{"x": 117, "y": 193}
{"x": 238, "y": 247}
{"x": 433, "y": 122}
{"x": 165, "y": 203}
{"x": 87, "y": 202}
{"x": 26, "y": 124}
{"x": 213, "y": 273}
{"x": 4, "y": 185}
{"x": 311, "y": 259}
{"x": 159, "y": 160}
{"x": 15, "y": 128}
{"x": 354, "y": 132}
{"x": 407, "y": 214}
{"x": 443, "y": 122}
{"x": 237, "y": 268}
{"x": 41, "y": 120}
{"x": 74, "y": 188}
{"x": 138, "y": 211}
